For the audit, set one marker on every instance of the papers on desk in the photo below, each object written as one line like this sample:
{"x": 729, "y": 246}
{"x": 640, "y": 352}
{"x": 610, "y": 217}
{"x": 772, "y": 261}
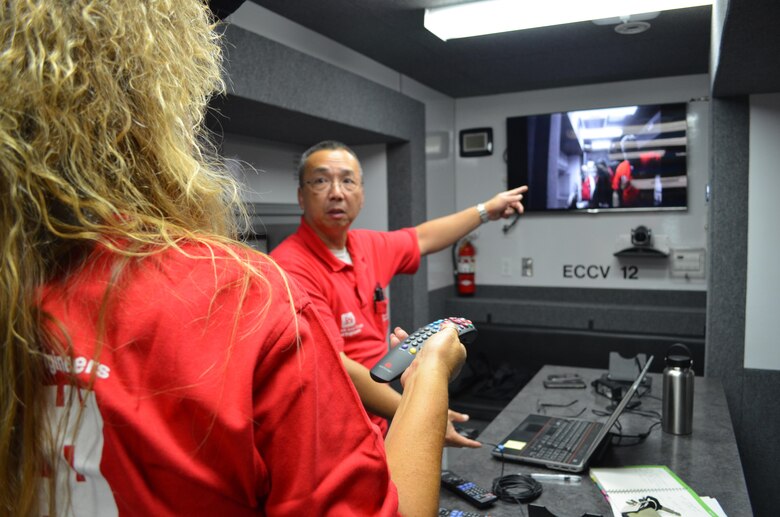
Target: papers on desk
{"x": 621, "y": 485}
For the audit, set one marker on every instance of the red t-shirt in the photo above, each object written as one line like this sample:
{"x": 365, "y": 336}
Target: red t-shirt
{"x": 344, "y": 294}
{"x": 203, "y": 401}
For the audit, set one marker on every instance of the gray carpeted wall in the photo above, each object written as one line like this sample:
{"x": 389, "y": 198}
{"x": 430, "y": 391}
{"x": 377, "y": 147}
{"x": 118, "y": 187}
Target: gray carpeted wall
{"x": 751, "y": 393}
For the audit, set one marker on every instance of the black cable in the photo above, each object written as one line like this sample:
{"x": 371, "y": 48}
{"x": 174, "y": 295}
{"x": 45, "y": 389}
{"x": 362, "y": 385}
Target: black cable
{"x": 509, "y": 225}
{"x": 514, "y": 488}
{"x": 616, "y": 439}
{"x": 649, "y": 413}
{"x": 517, "y": 488}
{"x": 639, "y": 438}
{"x": 501, "y": 450}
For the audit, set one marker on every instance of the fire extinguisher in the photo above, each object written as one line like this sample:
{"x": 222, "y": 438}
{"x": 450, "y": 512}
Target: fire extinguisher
{"x": 466, "y": 267}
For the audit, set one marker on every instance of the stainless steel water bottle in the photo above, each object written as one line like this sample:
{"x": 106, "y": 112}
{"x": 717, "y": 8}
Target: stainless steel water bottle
{"x": 678, "y": 378}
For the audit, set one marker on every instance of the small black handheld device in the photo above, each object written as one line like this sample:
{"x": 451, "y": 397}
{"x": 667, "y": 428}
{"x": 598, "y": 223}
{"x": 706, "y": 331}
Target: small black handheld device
{"x": 564, "y": 381}
{"x": 467, "y": 490}
{"x": 397, "y": 360}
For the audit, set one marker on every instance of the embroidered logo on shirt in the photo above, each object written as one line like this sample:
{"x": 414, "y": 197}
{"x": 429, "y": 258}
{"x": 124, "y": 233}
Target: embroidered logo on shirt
{"x": 350, "y": 326}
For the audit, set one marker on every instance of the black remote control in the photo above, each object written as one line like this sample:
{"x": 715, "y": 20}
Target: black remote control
{"x": 397, "y": 360}
{"x": 444, "y": 512}
{"x": 467, "y": 490}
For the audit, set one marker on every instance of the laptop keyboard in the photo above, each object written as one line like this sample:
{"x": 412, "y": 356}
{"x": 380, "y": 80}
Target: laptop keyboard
{"x": 559, "y": 440}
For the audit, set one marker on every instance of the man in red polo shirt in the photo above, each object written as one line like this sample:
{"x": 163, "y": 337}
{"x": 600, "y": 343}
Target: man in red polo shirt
{"x": 346, "y": 271}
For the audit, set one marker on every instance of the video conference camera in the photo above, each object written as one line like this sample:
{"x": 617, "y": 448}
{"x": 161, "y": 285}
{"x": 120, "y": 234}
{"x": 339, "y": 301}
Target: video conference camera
{"x": 641, "y": 236}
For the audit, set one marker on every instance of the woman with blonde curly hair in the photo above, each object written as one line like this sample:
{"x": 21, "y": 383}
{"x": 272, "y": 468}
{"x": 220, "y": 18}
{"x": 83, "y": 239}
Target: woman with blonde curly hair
{"x": 149, "y": 363}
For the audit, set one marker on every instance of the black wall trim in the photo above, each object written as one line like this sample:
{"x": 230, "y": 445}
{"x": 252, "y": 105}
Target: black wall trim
{"x": 672, "y": 313}
{"x": 538, "y": 346}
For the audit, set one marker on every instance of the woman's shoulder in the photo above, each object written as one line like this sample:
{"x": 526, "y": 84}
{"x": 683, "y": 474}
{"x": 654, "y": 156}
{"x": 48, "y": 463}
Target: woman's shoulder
{"x": 225, "y": 264}
{"x": 224, "y": 282}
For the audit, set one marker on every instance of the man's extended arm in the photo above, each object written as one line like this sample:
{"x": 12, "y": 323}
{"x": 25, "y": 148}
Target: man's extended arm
{"x": 437, "y": 234}
{"x": 379, "y": 399}
{"x": 382, "y": 400}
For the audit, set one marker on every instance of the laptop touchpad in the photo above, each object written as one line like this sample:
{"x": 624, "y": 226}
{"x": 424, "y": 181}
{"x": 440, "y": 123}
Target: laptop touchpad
{"x": 531, "y": 427}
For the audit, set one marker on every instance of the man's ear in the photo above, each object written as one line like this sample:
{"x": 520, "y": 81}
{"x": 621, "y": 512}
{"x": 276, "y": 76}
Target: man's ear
{"x": 300, "y": 198}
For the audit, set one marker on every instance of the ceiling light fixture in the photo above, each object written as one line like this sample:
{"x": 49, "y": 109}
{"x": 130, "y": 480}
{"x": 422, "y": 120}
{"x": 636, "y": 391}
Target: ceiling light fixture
{"x": 493, "y": 16}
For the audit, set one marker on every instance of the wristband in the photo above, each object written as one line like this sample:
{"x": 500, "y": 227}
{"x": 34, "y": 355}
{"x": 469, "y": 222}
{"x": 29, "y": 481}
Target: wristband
{"x": 483, "y": 214}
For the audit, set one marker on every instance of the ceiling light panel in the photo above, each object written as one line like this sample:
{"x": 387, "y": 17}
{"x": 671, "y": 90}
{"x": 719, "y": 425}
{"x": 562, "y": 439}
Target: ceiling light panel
{"x": 493, "y": 16}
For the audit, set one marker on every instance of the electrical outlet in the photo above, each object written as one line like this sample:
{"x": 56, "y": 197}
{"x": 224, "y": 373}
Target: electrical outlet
{"x": 506, "y": 266}
{"x": 528, "y": 266}
{"x": 687, "y": 263}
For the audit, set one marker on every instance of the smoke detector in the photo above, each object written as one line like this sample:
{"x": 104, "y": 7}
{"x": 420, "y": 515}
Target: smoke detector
{"x": 633, "y": 24}
{"x": 631, "y": 27}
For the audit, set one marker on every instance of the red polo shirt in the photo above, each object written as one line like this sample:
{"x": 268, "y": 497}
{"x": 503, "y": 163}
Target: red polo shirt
{"x": 344, "y": 294}
{"x": 211, "y": 395}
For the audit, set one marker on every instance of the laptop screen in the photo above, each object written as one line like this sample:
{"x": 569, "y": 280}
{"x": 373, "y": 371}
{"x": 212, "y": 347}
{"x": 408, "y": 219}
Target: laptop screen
{"x": 620, "y": 407}
{"x": 535, "y": 439}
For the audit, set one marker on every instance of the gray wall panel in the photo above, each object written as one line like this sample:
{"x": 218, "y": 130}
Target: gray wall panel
{"x": 728, "y": 245}
{"x": 266, "y": 71}
{"x": 406, "y": 207}
{"x": 751, "y": 394}
{"x": 759, "y": 446}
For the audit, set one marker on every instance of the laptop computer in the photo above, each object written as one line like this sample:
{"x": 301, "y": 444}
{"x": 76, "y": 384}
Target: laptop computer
{"x": 562, "y": 443}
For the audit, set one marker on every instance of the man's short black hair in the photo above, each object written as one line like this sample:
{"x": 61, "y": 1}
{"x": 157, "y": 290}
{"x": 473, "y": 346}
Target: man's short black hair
{"x": 325, "y": 145}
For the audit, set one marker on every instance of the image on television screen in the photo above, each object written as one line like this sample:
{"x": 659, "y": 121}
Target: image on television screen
{"x": 607, "y": 159}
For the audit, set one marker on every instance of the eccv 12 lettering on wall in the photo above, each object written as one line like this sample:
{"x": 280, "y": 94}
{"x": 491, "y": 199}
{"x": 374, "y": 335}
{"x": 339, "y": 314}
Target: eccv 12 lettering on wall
{"x": 598, "y": 271}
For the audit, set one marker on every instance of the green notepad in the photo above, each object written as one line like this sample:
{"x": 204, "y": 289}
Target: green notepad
{"x": 620, "y": 485}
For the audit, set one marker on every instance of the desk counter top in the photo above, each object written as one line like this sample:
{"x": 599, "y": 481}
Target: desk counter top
{"x": 707, "y": 460}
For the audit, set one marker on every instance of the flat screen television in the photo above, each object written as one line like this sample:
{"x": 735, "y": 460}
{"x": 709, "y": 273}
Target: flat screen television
{"x": 601, "y": 160}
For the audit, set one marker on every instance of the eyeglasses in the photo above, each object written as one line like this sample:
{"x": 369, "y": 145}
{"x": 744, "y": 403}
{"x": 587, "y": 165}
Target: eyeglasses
{"x": 323, "y": 184}
{"x": 541, "y": 408}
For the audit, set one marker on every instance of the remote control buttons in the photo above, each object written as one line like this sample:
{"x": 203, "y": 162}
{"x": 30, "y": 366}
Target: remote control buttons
{"x": 398, "y": 359}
